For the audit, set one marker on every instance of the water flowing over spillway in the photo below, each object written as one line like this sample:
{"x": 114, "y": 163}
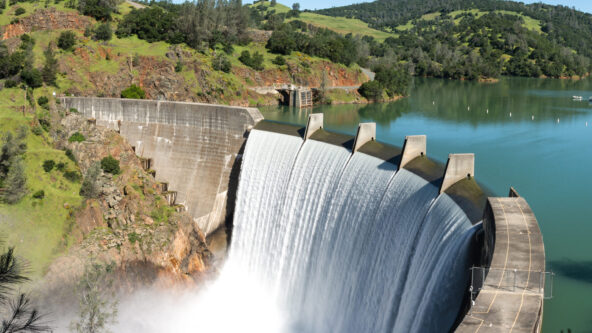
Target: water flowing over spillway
{"x": 345, "y": 242}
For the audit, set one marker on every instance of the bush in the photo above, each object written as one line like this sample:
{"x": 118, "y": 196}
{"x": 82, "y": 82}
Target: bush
{"x": 48, "y": 165}
{"x": 110, "y": 165}
{"x": 73, "y": 110}
{"x": 39, "y": 194}
{"x": 76, "y": 137}
{"x": 60, "y": 166}
{"x": 255, "y": 61}
{"x": 90, "y": 188}
{"x": 70, "y": 155}
{"x": 178, "y": 67}
{"x": 371, "y": 90}
{"x": 103, "y": 32}
{"x": 44, "y": 123}
{"x": 19, "y": 11}
{"x": 67, "y": 40}
{"x": 221, "y": 63}
{"x": 133, "y": 237}
{"x": 32, "y": 77}
{"x": 10, "y": 83}
{"x": 279, "y": 60}
{"x": 42, "y": 100}
{"x": 72, "y": 176}
{"x": 133, "y": 92}
{"x": 37, "y": 130}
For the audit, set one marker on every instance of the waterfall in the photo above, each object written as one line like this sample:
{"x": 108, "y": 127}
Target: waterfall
{"x": 345, "y": 242}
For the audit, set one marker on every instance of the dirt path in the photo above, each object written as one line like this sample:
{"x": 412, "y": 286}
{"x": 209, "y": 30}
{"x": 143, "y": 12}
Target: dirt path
{"x": 135, "y": 4}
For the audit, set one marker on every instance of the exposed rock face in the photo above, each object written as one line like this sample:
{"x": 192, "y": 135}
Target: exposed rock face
{"x": 46, "y": 19}
{"x": 129, "y": 223}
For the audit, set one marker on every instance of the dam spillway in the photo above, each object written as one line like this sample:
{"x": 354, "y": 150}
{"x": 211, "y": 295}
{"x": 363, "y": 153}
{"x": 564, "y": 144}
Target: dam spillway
{"x": 342, "y": 238}
{"x": 342, "y": 234}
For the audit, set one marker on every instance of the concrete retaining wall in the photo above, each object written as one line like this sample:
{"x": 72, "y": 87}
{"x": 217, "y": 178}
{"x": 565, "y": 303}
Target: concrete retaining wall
{"x": 193, "y": 146}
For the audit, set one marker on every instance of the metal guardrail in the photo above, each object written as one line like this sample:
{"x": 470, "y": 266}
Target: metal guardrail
{"x": 510, "y": 281}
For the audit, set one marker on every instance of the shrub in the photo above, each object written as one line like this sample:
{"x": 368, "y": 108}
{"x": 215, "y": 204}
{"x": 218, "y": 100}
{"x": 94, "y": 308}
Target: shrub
{"x": 76, "y": 137}
{"x": 133, "y": 237}
{"x": 73, "y": 110}
{"x": 103, "y": 32}
{"x": 70, "y": 155}
{"x": 67, "y": 40}
{"x": 32, "y": 77}
{"x": 37, "y": 130}
{"x": 60, "y": 166}
{"x": 255, "y": 61}
{"x": 372, "y": 90}
{"x": 90, "y": 188}
{"x": 42, "y": 100}
{"x": 133, "y": 92}
{"x": 279, "y": 60}
{"x": 48, "y": 165}
{"x": 10, "y": 83}
{"x": 110, "y": 165}
{"x": 19, "y": 11}
{"x": 39, "y": 194}
{"x": 178, "y": 67}
{"x": 45, "y": 124}
{"x": 221, "y": 63}
{"x": 72, "y": 176}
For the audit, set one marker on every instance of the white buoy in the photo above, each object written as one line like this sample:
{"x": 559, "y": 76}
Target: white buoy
{"x": 533, "y": 117}
{"x": 487, "y": 111}
{"x": 468, "y": 108}
{"x": 433, "y": 102}
{"x": 586, "y": 124}
{"x": 558, "y": 120}
{"x": 510, "y": 114}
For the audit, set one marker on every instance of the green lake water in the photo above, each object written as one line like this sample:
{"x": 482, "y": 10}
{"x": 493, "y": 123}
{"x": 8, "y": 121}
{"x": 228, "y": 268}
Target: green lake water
{"x": 526, "y": 133}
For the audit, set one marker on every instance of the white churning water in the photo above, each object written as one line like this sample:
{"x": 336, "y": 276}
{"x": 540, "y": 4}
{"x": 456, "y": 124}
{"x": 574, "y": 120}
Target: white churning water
{"x": 344, "y": 243}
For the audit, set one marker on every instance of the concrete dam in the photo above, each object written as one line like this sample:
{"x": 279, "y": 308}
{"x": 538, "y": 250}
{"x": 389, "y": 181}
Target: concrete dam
{"x": 341, "y": 233}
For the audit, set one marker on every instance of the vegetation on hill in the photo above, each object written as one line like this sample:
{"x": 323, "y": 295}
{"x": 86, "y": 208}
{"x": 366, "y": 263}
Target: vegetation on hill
{"x": 479, "y": 38}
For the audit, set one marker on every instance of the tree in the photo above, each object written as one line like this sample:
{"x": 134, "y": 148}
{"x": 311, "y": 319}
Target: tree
{"x": 67, "y": 40}
{"x": 273, "y": 3}
{"x": 221, "y": 63}
{"x": 103, "y": 32}
{"x": 32, "y": 77}
{"x": 50, "y": 68}
{"x": 90, "y": 188}
{"x": 110, "y": 165}
{"x": 96, "y": 311}
{"x": 371, "y": 90}
{"x": 21, "y": 316}
{"x": 15, "y": 183}
{"x": 296, "y": 6}
{"x": 133, "y": 92}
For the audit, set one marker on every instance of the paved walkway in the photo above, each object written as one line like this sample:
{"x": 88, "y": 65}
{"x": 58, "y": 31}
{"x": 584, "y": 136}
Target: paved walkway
{"x": 511, "y": 299}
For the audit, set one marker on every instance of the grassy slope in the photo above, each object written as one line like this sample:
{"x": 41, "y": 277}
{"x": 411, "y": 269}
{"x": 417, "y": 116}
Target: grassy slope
{"x": 37, "y": 228}
{"x": 8, "y": 15}
{"x": 341, "y": 25}
{"x": 529, "y": 22}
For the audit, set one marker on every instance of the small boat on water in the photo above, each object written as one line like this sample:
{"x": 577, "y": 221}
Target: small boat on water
{"x": 578, "y": 98}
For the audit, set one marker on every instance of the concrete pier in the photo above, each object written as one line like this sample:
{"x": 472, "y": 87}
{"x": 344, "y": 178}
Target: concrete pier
{"x": 315, "y": 123}
{"x": 366, "y": 133}
{"x": 414, "y": 146}
{"x": 191, "y": 146}
{"x": 459, "y": 167}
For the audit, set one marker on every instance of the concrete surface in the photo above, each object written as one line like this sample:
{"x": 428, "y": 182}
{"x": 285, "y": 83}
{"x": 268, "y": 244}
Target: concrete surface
{"x": 459, "y": 167}
{"x": 511, "y": 295}
{"x": 193, "y": 146}
{"x": 366, "y": 133}
{"x": 315, "y": 122}
{"x": 414, "y": 146}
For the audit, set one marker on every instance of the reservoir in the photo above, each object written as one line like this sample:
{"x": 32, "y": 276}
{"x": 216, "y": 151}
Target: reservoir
{"x": 525, "y": 133}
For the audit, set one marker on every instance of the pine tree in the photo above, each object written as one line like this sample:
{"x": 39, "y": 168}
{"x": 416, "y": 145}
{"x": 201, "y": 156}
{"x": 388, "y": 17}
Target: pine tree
{"x": 51, "y": 66}
{"x": 15, "y": 184}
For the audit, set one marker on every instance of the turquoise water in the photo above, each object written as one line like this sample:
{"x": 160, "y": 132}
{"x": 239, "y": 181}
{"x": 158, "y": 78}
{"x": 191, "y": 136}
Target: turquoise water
{"x": 526, "y": 133}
